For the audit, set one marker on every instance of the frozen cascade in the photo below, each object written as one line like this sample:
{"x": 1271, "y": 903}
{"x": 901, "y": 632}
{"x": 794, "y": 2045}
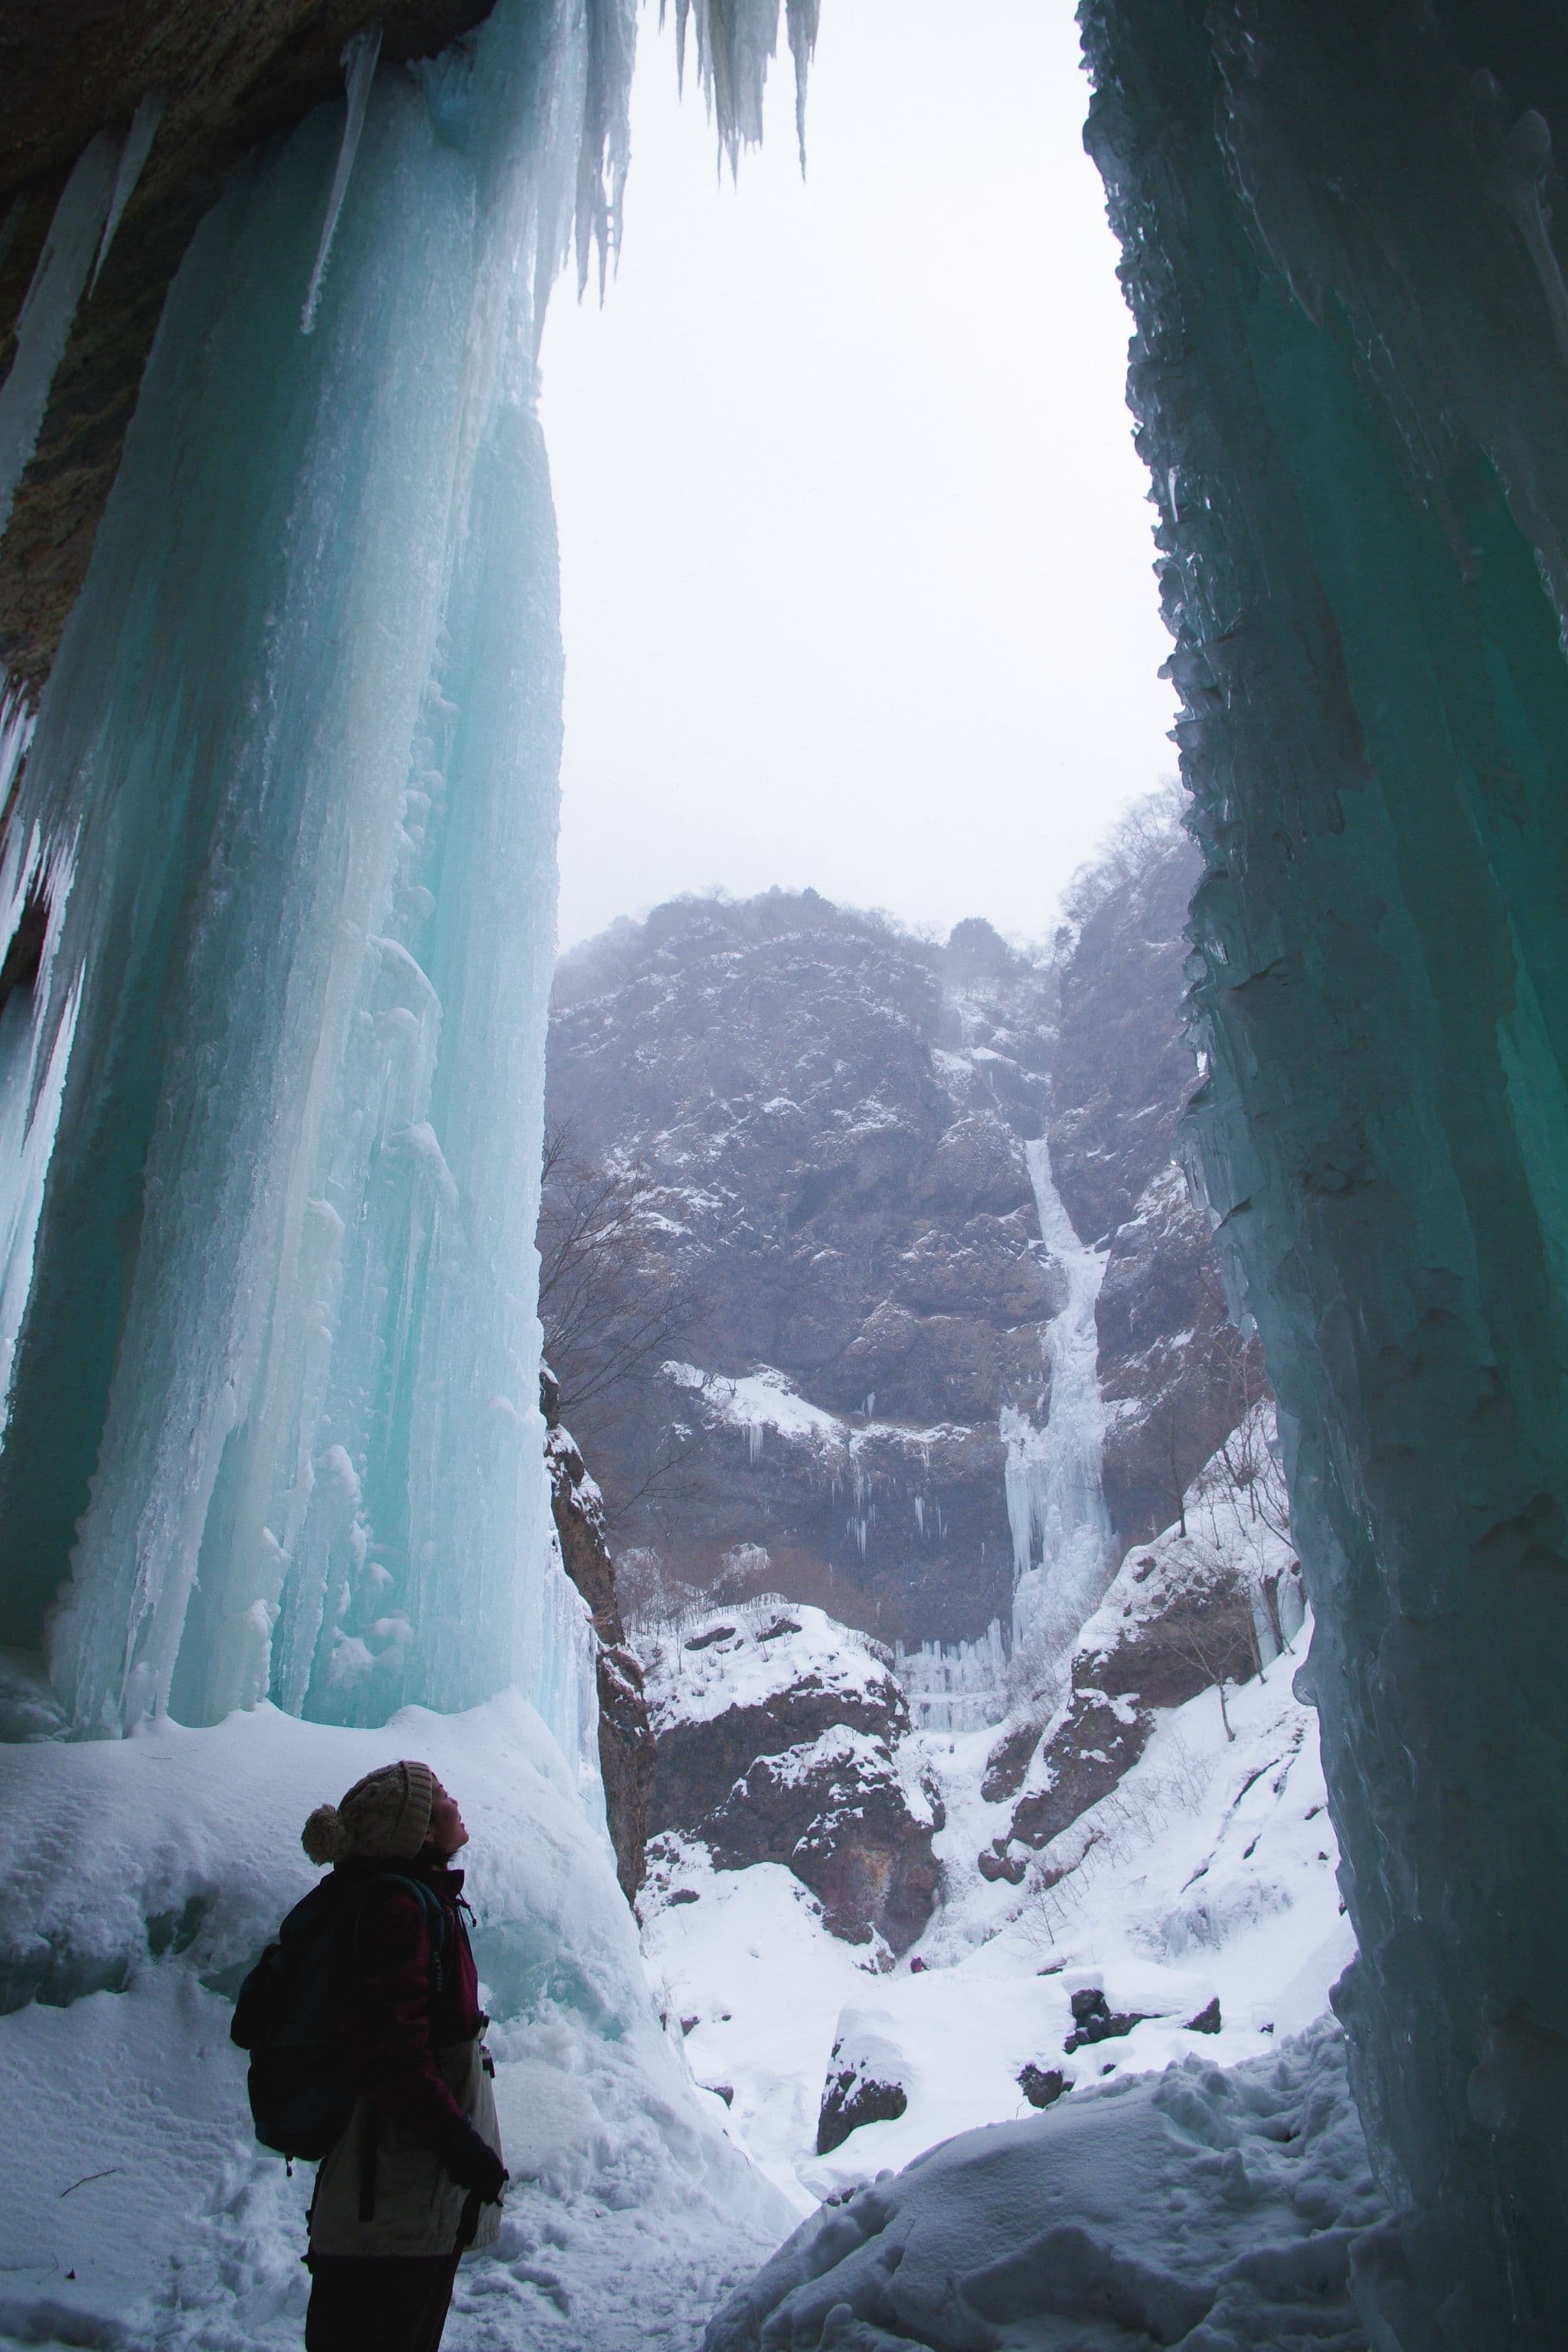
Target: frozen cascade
{"x": 1342, "y": 246}
{"x": 956, "y": 1686}
{"x": 274, "y": 1407}
{"x": 1063, "y": 1554}
{"x": 45, "y": 318}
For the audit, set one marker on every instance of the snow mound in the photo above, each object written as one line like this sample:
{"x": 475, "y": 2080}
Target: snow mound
{"x": 139, "y": 1878}
{"x": 1214, "y": 2211}
{"x": 756, "y": 1654}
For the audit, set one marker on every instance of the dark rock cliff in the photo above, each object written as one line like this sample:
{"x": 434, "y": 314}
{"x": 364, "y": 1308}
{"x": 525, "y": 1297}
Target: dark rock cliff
{"x": 823, "y": 1121}
{"x": 1173, "y": 1373}
{"x": 823, "y": 1116}
{"x": 625, "y": 1741}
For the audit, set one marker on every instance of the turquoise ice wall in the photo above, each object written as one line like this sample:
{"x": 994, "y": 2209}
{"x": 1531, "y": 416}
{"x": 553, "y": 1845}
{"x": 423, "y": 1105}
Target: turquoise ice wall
{"x": 1350, "y": 374}
{"x": 273, "y": 1421}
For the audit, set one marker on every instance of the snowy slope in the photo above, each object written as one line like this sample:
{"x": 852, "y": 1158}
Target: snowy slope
{"x": 134, "y": 2206}
{"x": 1208, "y": 1875}
{"x": 1220, "y": 2212}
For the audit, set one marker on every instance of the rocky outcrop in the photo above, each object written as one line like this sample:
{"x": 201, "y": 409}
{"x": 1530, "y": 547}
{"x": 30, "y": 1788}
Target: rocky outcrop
{"x": 839, "y": 1811}
{"x": 625, "y": 1739}
{"x": 1180, "y": 1618}
{"x": 862, "y": 2086}
{"x": 231, "y": 79}
{"x": 1173, "y": 1372}
{"x": 826, "y": 1118}
{"x": 779, "y": 1739}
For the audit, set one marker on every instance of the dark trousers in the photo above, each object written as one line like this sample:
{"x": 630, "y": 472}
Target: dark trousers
{"x": 378, "y": 2303}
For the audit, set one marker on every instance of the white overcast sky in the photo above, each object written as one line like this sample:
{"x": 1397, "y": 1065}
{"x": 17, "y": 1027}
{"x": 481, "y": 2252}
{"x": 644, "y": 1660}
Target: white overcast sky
{"x": 855, "y": 553}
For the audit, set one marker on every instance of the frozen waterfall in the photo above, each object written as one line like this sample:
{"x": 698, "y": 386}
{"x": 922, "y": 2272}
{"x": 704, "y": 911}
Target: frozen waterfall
{"x": 1063, "y": 1556}
{"x": 954, "y": 1686}
{"x": 291, "y": 810}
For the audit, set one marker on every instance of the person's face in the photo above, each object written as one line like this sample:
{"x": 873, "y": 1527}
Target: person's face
{"x": 448, "y": 1829}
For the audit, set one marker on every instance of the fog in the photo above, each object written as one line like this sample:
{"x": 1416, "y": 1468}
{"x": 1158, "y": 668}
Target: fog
{"x": 856, "y": 557}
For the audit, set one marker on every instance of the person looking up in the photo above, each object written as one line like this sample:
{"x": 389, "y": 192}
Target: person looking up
{"x": 416, "y": 2177}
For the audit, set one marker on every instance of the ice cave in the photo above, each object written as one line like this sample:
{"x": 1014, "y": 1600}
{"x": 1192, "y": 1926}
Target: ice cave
{"x": 281, "y": 740}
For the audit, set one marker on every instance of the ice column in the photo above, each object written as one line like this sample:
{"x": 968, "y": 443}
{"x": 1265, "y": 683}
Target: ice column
{"x": 1343, "y": 244}
{"x": 274, "y": 1420}
{"x": 1062, "y": 1548}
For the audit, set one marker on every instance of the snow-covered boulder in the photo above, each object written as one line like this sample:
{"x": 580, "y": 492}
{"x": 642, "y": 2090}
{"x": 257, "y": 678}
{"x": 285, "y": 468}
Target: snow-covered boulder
{"x": 781, "y": 1738}
{"x": 1199, "y": 2208}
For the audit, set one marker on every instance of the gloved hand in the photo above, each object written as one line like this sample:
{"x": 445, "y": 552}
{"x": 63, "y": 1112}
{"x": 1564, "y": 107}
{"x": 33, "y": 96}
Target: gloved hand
{"x": 477, "y": 2167}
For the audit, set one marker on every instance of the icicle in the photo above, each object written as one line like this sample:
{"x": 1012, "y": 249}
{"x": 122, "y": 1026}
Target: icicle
{"x": 44, "y": 321}
{"x": 805, "y": 16}
{"x": 736, "y": 41}
{"x": 34, "y": 1053}
{"x": 603, "y": 154}
{"x": 359, "y": 70}
{"x": 132, "y": 156}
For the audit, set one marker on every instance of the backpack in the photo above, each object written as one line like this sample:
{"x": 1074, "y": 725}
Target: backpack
{"x": 301, "y": 2080}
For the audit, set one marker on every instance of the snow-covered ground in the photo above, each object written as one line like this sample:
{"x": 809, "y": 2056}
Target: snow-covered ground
{"x": 135, "y": 2208}
{"x": 1208, "y": 1875}
{"x": 656, "y": 2165}
{"x": 1223, "y": 2211}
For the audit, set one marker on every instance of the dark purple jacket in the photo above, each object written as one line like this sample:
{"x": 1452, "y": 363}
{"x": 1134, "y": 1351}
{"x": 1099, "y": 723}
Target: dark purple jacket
{"x": 399, "y": 2009}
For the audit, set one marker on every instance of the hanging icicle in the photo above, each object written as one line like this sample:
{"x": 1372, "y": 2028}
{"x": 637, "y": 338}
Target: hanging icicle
{"x": 359, "y": 59}
{"x": 736, "y": 43}
{"x": 133, "y": 158}
{"x": 44, "y": 322}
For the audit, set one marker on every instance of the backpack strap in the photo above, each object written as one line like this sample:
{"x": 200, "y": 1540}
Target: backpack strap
{"x": 438, "y": 1924}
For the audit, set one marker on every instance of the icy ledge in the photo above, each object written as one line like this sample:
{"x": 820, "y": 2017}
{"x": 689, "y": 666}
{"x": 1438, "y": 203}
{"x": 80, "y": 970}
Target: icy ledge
{"x": 137, "y": 1879}
{"x": 1220, "y": 2212}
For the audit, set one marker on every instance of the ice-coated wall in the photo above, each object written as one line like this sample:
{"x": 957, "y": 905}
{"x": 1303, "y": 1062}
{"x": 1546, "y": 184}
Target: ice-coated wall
{"x": 278, "y": 881}
{"x": 291, "y": 803}
{"x": 1342, "y": 242}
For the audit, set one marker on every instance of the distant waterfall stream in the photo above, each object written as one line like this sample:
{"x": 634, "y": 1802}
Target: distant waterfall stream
{"x": 1062, "y": 1547}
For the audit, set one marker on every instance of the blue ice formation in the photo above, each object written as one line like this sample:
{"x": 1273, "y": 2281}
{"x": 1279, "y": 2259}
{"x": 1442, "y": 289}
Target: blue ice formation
{"x": 1064, "y": 1552}
{"x": 269, "y": 1109}
{"x": 280, "y": 848}
{"x": 272, "y": 1422}
{"x": 1341, "y": 251}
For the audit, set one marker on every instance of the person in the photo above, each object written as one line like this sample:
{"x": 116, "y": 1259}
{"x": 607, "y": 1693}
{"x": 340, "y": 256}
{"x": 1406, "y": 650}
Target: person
{"x": 416, "y": 2177}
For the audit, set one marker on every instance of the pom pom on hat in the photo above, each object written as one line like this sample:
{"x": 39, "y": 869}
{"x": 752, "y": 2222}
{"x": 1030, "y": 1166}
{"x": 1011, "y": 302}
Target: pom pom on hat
{"x": 385, "y": 1813}
{"x": 324, "y": 1837}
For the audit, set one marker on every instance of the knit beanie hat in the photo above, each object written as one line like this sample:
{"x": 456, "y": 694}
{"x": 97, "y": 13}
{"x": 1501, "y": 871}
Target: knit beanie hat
{"x": 387, "y": 1813}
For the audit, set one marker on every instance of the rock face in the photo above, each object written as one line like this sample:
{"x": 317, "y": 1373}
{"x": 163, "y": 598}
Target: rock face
{"x": 625, "y": 1741}
{"x": 825, "y": 1117}
{"x": 231, "y": 77}
{"x": 1193, "y": 1611}
{"x": 1173, "y": 1373}
{"x": 779, "y": 1739}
